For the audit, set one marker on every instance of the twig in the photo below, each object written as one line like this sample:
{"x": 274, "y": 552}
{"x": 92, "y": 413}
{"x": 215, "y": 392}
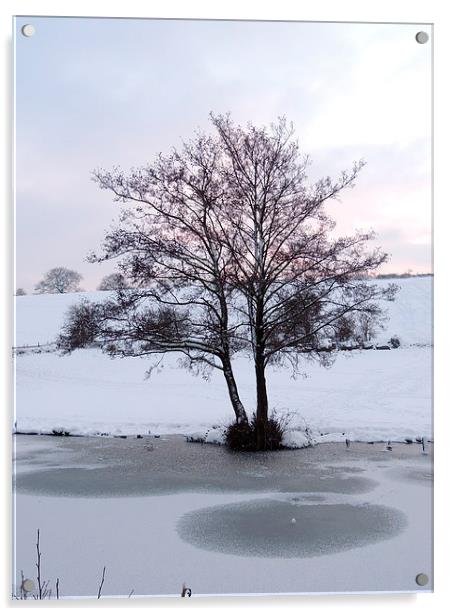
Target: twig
{"x": 57, "y": 587}
{"x": 131, "y": 593}
{"x": 46, "y": 591}
{"x": 38, "y": 567}
{"x": 101, "y": 583}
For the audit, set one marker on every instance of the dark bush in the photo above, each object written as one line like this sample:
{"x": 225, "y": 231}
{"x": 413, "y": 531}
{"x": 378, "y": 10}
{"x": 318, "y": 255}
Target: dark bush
{"x": 60, "y": 432}
{"x": 273, "y": 433}
{"x": 243, "y": 437}
{"x": 80, "y": 327}
{"x": 394, "y": 342}
{"x": 240, "y": 437}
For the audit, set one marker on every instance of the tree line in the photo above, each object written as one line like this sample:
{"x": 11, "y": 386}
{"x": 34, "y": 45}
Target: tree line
{"x": 64, "y": 280}
{"x": 52, "y": 282}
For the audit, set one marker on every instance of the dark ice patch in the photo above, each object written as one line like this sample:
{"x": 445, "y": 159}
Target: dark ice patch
{"x": 266, "y": 528}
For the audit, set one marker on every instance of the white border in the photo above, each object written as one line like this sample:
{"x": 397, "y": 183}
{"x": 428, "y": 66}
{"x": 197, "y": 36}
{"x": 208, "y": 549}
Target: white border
{"x": 432, "y": 11}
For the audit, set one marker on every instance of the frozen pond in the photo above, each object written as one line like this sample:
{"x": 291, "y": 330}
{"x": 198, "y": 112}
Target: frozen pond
{"x": 161, "y": 512}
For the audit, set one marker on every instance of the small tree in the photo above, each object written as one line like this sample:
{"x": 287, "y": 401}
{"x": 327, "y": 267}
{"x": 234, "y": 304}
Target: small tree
{"x": 59, "y": 280}
{"x": 20, "y": 291}
{"x": 82, "y": 325}
{"x": 113, "y": 282}
{"x": 232, "y": 250}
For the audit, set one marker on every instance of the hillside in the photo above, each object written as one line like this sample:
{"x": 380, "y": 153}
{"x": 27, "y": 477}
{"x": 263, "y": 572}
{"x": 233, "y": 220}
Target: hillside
{"x": 39, "y": 317}
{"x": 367, "y": 395}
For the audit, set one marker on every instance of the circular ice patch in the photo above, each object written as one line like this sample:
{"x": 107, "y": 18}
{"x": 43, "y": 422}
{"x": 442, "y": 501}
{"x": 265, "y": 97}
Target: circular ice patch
{"x": 264, "y": 528}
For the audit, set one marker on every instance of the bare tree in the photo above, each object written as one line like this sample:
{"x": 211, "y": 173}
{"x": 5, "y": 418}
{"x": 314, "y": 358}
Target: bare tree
{"x": 59, "y": 280}
{"x": 233, "y": 251}
{"x": 113, "y": 282}
{"x": 20, "y": 291}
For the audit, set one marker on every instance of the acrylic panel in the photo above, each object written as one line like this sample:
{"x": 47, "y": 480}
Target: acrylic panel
{"x": 223, "y": 308}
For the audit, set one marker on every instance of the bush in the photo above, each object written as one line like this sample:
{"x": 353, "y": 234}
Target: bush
{"x": 394, "y": 342}
{"x": 239, "y": 437}
{"x": 60, "y": 432}
{"x": 80, "y": 327}
{"x": 243, "y": 436}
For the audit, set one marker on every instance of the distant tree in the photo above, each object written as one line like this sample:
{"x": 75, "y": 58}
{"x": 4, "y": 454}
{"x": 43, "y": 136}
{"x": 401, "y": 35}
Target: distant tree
{"x": 366, "y": 328}
{"x": 232, "y": 250}
{"x": 20, "y": 291}
{"x": 59, "y": 280}
{"x": 113, "y": 282}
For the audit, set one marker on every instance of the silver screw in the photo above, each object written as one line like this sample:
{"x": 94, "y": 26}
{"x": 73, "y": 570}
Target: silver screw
{"x": 28, "y": 30}
{"x": 421, "y": 579}
{"x": 422, "y": 37}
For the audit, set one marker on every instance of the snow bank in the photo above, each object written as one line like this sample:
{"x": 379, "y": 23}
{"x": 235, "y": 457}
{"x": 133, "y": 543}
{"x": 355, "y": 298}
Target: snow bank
{"x": 216, "y": 436}
{"x": 213, "y": 436}
{"x": 296, "y": 439}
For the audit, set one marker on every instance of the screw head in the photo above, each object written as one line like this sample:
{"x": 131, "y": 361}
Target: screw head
{"x": 422, "y": 37}
{"x": 421, "y": 579}
{"x": 28, "y": 30}
{"x": 28, "y": 585}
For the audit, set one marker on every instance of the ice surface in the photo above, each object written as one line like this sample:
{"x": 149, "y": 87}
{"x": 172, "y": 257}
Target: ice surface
{"x": 134, "y": 534}
{"x": 287, "y": 529}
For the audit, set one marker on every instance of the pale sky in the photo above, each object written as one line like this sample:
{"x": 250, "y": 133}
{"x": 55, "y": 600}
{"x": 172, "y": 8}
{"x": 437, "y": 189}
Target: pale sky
{"x": 102, "y": 92}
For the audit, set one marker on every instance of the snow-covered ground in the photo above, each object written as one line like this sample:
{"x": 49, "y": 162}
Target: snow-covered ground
{"x": 369, "y": 395}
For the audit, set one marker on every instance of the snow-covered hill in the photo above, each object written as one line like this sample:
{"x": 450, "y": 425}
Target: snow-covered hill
{"x": 369, "y": 395}
{"x": 39, "y": 317}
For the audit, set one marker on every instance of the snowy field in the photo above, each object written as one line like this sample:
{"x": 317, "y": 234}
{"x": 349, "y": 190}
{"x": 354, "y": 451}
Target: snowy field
{"x": 368, "y": 395}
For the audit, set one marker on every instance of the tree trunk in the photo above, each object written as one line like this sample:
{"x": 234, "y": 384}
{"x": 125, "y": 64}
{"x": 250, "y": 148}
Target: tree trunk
{"x": 261, "y": 406}
{"x": 261, "y": 385}
{"x": 239, "y": 409}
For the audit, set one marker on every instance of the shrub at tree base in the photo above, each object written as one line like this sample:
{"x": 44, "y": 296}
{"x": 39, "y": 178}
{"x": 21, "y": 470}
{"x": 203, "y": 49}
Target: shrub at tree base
{"x": 244, "y": 436}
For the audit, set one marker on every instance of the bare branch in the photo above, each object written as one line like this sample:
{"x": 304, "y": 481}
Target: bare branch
{"x": 99, "y": 592}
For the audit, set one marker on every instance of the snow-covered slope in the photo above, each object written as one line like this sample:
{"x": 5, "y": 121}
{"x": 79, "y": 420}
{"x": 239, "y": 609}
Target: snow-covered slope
{"x": 368, "y": 395}
{"x": 39, "y": 317}
{"x": 411, "y": 314}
